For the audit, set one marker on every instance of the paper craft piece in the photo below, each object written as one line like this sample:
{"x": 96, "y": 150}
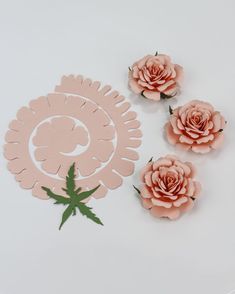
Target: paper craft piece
{"x": 79, "y": 123}
{"x": 74, "y": 200}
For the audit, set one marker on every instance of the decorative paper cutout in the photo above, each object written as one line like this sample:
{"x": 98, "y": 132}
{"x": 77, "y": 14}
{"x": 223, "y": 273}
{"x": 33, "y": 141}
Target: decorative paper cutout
{"x": 78, "y": 123}
{"x": 75, "y": 199}
{"x": 195, "y": 126}
{"x": 155, "y": 77}
{"x": 168, "y": 187}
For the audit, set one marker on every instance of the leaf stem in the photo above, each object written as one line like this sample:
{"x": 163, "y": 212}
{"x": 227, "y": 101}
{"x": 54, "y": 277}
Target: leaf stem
{"x": 137, "y": 190}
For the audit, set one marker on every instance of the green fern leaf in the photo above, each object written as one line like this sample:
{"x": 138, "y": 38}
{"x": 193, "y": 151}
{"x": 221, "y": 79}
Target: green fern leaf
{"x": 59, "y": 199}
{"x": 85, "y": 210}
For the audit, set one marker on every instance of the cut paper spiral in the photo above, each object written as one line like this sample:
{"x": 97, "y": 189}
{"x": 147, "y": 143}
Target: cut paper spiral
{"x": 79, "y": 123}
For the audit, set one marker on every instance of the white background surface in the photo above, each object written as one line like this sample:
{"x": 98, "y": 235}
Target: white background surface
{"x": 133, "y": 253}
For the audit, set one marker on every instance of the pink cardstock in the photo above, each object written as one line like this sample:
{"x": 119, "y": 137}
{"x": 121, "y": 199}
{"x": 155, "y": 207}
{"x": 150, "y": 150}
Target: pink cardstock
{"x": 81, "y": 123}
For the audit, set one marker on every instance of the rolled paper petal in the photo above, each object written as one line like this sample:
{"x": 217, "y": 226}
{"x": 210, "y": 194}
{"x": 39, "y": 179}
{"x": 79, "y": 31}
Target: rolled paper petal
{"x": 135, "y": 87}
{"x": 151, "y": 95}
{"x": 195, "y": 126}
{"x": 169, "y": 188}
{"x": 154, "y": 75}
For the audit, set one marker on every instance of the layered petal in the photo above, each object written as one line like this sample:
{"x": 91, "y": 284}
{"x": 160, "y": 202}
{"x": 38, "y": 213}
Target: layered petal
{"x": 195, "y": 126}
{"x": 168, "y": 187}
{"x": 153, "y": 75}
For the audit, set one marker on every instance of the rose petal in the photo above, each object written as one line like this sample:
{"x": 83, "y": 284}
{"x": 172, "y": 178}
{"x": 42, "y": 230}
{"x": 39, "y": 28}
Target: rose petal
{"x": 145, "y": 192}
{"x": 165, "y": 59}
{"x": 216, "y": 119}
{"x": 142, "y": 61}
{"x": 166, "y": 85}
{"x": 190, "y": 188}
{"x": 156, "y": 194}
{"x": 172, "y": 157}
{"x": 171, "y": 136}
{"x": 148, "y": 179}
{"x": 197, "y": 189}
{"x": 144, "y": 170}
{"x": 180, "y": 125}
{"x": 145, "y": 85}
{"x": 180, "y": 201}
{"x": 184, "y": 139}
{"x": 158, "y": 202}
{"x": 223, "y": 123}
{"x": 218, "y": 141}
{"x": 192, "y": 168}
{"x": 179, "y": 73}
{"x": 172, "y": 90}
{"x": 147, "y": 203}
{"x": 192, "y": 134}
{"x": 152, "y": 95}
{"x": 135, "y": 87}
{"x": 201, "y": 148}
{"x": 135, "y": 72}
{"x": 161, "y": 162}
{"x": 184, "y": 166}
{"x": 173, "y": 121}
{"x": 172, "y": 213}
{"x": 187, "y": 206}
{"x": 183, "y": 146}
{"x": 205, "y": 139}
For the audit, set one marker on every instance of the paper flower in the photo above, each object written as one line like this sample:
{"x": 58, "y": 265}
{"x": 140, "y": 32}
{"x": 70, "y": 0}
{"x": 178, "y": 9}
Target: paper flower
{"x": 168, "y": 187}
{"x": 79, "y": 123}
{"x": 196, "y": 126}
{"x": 155, "y": 77}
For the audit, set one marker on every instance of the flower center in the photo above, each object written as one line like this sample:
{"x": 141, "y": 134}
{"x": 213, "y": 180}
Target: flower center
{"x": 169, "y": 180}
{"x": 197, "y": 117}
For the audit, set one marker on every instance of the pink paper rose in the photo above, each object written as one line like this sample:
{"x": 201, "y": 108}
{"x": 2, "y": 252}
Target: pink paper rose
{"x": 196, "y": 126}
{"x": 155, "y": 77}
{"x": 168, "y": 187}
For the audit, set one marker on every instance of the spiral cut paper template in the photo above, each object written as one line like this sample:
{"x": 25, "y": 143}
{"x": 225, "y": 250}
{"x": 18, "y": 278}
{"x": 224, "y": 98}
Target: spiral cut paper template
{"x": 79, "y": 123}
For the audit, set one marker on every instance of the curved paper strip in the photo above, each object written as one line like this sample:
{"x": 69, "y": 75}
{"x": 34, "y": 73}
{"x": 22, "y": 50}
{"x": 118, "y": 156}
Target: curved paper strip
{"x": 101, "y": 144}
